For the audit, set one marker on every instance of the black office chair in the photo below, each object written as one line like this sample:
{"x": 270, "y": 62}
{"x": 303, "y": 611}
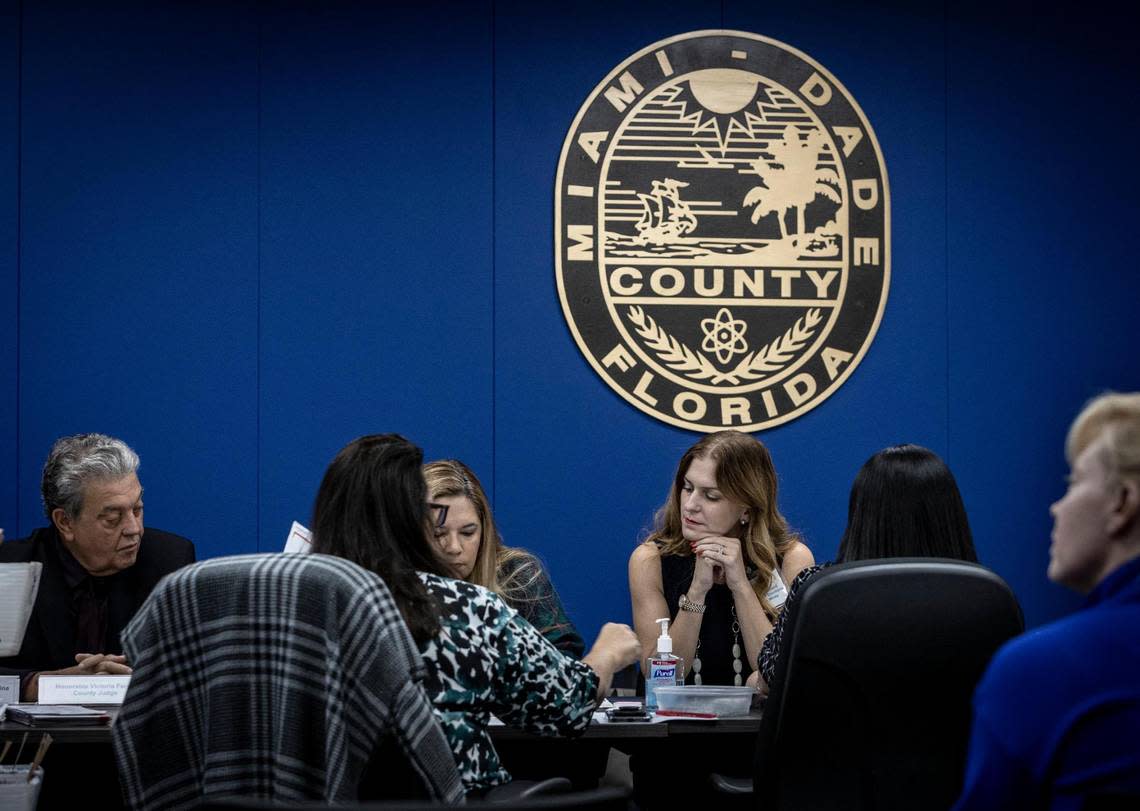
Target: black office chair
{"x": 280, "y": 678}
{"x": 870, "y": 705}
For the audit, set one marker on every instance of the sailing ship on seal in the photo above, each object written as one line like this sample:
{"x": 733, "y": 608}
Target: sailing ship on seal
{"x": 665, "y": 216}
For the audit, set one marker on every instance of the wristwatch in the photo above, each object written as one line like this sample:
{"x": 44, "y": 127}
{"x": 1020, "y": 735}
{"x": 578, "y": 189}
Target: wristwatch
{"x": 688, "y": 605}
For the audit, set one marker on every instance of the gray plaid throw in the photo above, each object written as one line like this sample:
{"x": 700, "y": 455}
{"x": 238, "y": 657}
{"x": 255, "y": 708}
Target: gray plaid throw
{"x": 271, "y": 676}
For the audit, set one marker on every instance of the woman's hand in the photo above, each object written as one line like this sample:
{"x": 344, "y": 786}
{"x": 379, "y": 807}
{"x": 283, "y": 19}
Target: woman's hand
{"x": 721, "y": 560}
{"x": 619, "y": 643}
{"x": 705, "y": 572}
{"x": 615, "y": 648}
{"x": 757, "y": 681}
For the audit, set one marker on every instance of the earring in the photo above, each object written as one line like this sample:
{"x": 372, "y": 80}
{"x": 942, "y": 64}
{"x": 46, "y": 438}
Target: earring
{"x": 744, "y": 519}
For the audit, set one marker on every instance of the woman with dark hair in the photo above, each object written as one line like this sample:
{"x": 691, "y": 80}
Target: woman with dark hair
{"x": 469, "y": 546}
{"x": 904, "y": 503}
{"x": 720, "y": 556}
{"x": 368, "y": 509}
{"x": 481, "y": 656}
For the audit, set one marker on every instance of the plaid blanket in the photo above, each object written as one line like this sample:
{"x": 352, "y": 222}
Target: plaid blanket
{"x": 273, "y": 677}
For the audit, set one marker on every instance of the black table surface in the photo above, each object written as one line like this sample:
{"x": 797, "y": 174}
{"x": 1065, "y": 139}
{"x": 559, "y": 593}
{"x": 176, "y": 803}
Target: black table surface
{"x": 81, "y": 764}
{"x": 746, "y": 724}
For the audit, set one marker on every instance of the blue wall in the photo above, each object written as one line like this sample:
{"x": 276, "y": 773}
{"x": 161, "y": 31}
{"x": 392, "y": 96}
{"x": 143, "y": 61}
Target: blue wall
{"x": 239, "y": 235}
{"x": 9, "y": 260}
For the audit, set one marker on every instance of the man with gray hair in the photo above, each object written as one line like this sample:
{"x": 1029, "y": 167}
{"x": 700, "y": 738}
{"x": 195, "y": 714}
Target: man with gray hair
{"x": 97, "y": 571}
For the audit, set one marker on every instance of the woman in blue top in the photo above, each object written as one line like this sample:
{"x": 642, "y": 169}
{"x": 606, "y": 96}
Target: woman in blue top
{"x": 1057, "y": 713}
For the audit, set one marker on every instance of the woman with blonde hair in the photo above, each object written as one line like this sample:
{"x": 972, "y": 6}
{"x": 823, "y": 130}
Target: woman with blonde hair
{"x": 718, "y": 560}
{"x": 469, "y": 546}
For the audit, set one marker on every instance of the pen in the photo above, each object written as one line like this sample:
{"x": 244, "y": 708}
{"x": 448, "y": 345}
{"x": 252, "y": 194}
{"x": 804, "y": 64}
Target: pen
{"x": 683, "y": 714}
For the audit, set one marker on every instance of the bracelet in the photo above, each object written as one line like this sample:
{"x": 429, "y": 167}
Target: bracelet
{"x": 688, "y": 605}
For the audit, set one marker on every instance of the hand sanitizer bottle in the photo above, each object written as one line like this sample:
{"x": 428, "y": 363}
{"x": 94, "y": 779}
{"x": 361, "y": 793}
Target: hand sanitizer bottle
{"x": 662, "y": 669}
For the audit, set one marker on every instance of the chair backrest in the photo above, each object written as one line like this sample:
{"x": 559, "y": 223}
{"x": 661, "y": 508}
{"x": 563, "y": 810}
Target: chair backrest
{"x": 870, "y": 701}
{"x": 274, "y": 677}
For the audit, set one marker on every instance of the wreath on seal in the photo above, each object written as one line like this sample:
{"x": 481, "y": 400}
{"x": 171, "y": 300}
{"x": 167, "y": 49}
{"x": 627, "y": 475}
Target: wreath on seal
{"x": 769, "y": 359}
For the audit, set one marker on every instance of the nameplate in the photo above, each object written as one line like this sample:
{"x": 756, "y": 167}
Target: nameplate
{"x": 9, "y": 690}
{"x": 83, "y": 689}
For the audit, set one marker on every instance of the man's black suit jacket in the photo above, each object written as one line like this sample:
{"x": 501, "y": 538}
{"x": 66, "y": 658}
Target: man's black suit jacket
{"x": 49, "y": 642}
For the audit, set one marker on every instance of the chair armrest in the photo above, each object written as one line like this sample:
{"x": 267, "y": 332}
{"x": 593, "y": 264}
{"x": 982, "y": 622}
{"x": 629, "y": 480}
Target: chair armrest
{"x": 739, "y": 786}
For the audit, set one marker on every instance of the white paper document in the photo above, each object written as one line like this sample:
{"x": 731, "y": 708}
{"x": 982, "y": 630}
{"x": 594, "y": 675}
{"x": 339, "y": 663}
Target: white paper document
{"x": 19, "y": 583}
{"x": 299, "y": 540}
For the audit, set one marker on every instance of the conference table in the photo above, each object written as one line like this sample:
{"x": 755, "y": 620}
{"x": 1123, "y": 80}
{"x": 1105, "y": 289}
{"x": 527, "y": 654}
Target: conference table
{"x": 84, "y": 752}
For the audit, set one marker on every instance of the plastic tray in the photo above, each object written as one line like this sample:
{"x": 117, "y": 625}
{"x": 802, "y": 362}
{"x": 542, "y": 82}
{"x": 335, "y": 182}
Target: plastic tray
{"x": 719, "y": 700}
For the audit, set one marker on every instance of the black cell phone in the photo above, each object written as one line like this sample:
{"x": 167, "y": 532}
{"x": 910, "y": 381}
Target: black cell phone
{"x": 621, "y": 714}
{"x": 627, "y": 705}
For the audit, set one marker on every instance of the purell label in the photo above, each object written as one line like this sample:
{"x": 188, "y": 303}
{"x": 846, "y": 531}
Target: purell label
{"x": 662, "y": 670}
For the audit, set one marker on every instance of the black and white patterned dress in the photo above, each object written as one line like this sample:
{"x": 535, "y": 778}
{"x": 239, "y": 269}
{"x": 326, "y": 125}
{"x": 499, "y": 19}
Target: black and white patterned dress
{"x": 487, "y": 660}
{"x": 773, "y": 646}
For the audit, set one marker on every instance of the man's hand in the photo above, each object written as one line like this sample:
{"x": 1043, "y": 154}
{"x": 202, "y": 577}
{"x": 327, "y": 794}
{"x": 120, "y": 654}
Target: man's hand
{"x": 86, "y": 664}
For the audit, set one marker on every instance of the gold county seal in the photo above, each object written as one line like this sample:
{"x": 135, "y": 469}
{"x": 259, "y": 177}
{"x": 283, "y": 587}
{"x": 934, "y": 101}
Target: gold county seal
{"x": 722, "y": 231}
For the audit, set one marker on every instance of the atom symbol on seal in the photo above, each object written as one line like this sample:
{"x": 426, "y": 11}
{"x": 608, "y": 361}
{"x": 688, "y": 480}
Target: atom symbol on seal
{"x": 724, "y": 335}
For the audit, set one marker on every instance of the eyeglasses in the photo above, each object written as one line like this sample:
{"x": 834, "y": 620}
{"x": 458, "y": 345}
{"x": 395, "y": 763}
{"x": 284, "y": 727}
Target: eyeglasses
{"x": 441, "y": 519}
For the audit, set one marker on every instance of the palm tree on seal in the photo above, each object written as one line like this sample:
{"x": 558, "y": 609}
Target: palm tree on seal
{"x": 792, "y": 179}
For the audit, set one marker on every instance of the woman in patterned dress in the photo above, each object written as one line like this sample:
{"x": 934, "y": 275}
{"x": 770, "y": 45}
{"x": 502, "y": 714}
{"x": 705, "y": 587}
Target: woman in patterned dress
{"x": 482, "y": 658}
{"x": 469, "y": 546}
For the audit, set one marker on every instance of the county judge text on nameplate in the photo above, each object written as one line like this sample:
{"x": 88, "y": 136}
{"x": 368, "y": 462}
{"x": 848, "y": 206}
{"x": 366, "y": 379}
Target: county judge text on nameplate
{"x": 83, "y": 689}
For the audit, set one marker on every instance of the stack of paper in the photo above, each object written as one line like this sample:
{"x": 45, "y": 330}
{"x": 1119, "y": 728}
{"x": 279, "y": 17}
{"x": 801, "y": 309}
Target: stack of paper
{"x": 19, "y": 583}
{"x": 47, "y": 715}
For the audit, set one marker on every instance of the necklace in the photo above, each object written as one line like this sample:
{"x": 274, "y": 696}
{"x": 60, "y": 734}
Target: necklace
{"x": 737, "y": 665}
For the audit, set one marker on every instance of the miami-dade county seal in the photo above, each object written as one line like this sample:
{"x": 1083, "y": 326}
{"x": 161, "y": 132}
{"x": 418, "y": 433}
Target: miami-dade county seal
{"x": 722, "y": 231}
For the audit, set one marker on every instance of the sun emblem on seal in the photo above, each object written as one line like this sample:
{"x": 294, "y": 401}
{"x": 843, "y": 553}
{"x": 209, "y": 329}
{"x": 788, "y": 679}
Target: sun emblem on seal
{"x": 722, "y": 231}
